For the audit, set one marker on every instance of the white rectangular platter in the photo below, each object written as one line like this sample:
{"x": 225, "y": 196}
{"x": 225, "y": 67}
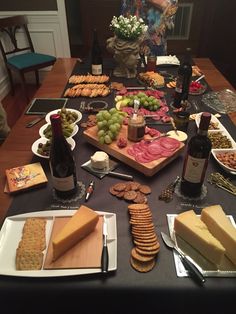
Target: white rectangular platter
{"x": 10, "y": 236}
{"x": 206, "y": 267}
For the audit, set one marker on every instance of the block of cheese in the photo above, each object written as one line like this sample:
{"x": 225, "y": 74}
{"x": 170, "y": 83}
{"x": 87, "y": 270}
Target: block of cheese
{"x": 194, "y": 231}
{"x": 221, "y": 228}
{"x": 100, "y": 160}
{"x": 79, "y": 226}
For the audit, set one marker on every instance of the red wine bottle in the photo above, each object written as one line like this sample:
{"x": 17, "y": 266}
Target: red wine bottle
{"x": 61, "y": 161}
{"x": 196, "y": 159}
{"x": 183, "y": 80}
{"x": 96, "y": 67}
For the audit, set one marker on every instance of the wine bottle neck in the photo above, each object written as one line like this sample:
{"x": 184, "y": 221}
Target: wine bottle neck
{"x": 56, "y": 125}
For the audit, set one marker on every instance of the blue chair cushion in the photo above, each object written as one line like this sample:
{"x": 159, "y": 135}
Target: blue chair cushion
{"x": 29, "y": 59}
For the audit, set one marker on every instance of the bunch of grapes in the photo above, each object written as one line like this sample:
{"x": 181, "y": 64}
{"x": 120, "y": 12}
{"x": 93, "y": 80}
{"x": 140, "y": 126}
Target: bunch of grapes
{"x": 109, "y": 123}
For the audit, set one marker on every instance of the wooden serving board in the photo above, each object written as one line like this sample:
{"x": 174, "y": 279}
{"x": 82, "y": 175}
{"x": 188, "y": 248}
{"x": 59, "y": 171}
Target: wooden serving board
{"x": 85, "y": 254}
{"x": 148, "y": 169}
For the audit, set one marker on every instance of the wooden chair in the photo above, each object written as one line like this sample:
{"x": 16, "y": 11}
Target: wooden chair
{"x": 17, "y": 58}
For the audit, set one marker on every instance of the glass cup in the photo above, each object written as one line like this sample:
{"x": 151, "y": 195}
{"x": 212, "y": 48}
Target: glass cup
{"x": 151, "y": 63}
{"x": 181, "y": 120}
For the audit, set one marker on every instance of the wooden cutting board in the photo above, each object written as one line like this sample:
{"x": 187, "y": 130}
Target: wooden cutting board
{"x": 85, "y": 254}
{"x": 148, "y": 169}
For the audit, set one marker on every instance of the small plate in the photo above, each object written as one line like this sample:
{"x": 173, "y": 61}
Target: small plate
{"x": 47, "y": 118}
{"x": 226, "y": 168}
{"x": 43, "y": 128}
{"x": 44, "y": 140}
{"x": 199, "y": 91}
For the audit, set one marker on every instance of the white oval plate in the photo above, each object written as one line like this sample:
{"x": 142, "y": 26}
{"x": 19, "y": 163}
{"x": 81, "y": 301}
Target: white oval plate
{"x": 47, "y": 117}
{"x": 41, "y": 130}
{"x": 43, "y": 140}
{"x": 227, "y": 169}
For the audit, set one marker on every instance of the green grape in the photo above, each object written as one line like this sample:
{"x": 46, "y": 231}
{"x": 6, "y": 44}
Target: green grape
{"x": 101, "y": 133}
{"x": 112, "y": 128}
{"x": 99, "y": 116}
{"x": 106, "y": 115}
{"x": 111, "y": 134}
{"x": 118, "y": 126}
{"x": 101, "y": 140}
{"x": 100, "y": 125}
{"x": 113, "y": 111}
{"x": 107, "y": 139}
{"x": 104, "y": 123}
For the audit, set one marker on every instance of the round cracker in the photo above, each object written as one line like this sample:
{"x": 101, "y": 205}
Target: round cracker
{"x": 140, "y": 257}
{"x": 142, "y": 267}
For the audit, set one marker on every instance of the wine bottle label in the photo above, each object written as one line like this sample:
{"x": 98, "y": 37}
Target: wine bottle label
{"x": 63, "y": 184}
{"x": 96, "y": 69}
{"x": 194, "y": 171}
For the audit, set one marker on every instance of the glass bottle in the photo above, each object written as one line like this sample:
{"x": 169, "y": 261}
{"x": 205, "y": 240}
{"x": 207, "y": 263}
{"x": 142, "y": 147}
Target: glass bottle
{"x": 61, "y": 161}
{"x": 96, "y": 56}
{"x": 183, "y": 80}
{"x": 136, "y": 125}
{"x": 196, "y": 159}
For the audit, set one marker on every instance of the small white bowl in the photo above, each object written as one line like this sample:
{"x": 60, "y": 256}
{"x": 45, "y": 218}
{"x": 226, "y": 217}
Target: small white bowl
{"x": 178, "y": 135}
{"x": 226, "y": 168}
{"x": 79, "y": 114}
{"x": 43, "y": 128}
{"x": 44, "y": 140}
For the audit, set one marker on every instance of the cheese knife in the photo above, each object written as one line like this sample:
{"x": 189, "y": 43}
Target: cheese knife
{"x": 105, "y": 255}
{"x": 114, "y": 174}
{"x": 194, "y": 272}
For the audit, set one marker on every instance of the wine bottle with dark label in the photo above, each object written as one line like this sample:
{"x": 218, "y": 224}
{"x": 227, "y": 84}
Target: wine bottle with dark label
{"x": 61, "y": 161}
{"x": 96, "y": 55}
{"x": 196, "y": 159}
{"x": 183, "y": 80}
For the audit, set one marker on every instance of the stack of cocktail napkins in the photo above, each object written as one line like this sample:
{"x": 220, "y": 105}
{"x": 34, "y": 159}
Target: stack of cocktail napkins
{"x": 25, "y": 177}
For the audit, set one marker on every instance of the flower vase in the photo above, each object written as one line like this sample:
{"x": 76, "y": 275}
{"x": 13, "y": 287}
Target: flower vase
{"x": 125, "y": 54}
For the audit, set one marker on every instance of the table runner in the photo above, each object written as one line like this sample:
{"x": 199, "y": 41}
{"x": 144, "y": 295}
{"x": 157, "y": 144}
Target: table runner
{"x": 156, "y": 291}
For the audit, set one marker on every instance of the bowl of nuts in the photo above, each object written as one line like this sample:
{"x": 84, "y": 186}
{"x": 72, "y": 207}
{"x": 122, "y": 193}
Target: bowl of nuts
{"x": 226, "y": 158}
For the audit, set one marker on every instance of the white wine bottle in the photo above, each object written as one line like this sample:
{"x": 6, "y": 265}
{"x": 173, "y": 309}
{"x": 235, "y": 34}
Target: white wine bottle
{"x": 96, "y": 55}
{"x": 196, "y": 159}
{"x": 61, "y": 161}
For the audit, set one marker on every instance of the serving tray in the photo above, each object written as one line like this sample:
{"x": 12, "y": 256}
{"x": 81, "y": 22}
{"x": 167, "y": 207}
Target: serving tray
{"x": 10, "y": 236}
{"x": 148, "y": 169}
{"x": 227, "y": 269}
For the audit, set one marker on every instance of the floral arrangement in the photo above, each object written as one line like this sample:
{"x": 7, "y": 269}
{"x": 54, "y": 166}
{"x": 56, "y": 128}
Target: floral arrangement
{"x": 128, "y": 28}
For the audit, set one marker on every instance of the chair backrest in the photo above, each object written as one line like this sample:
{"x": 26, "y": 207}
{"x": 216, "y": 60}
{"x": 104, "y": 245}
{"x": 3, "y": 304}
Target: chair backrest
{"x": 9, "y": 27}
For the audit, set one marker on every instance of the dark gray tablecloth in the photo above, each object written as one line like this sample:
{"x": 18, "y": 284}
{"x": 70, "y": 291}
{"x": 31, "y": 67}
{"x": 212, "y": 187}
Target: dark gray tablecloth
{"x": 125, "y": 290}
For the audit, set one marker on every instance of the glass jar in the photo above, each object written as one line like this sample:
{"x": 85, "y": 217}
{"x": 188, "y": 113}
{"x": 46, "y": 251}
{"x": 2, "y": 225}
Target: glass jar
{"x": 181, "y": 120}
{"x": 136, "y": 128}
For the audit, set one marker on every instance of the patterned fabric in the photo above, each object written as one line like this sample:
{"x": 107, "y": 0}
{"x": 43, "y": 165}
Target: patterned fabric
{"x": 159, "y": 16}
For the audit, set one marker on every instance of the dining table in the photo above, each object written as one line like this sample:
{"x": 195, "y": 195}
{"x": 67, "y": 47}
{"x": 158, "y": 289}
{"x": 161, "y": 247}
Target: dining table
{"x": 123, "y": 289}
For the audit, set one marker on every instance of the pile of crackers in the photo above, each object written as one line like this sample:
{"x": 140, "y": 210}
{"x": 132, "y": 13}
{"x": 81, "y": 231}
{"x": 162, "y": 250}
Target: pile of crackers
{"x": 29, "y": 253}
{"x": 131, "y": 191}
{"x": 146, "y": 244}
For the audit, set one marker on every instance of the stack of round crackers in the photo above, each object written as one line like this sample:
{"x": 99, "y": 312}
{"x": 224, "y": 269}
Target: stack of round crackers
{"x": 131, "y": 191}
{"x": 29, "y": 253}
{"x": 146, "y": 244}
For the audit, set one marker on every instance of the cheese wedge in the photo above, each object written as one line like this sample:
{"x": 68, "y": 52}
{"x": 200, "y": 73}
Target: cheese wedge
{"x": 194, "y": 231}
{"x": 221, "y": 228}
{"x": 79, "y": 226}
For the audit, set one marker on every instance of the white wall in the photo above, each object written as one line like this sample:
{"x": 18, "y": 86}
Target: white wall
{"x": 49, "y": 34}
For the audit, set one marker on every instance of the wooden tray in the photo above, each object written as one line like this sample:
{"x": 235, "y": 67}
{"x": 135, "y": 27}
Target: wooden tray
{"x": 148, "y": 169}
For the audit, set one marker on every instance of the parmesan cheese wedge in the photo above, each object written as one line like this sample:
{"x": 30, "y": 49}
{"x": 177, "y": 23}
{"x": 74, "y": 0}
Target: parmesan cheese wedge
{"x": 78, "y": 227}
{"x": 195, "y": 232}
{"x": 221, "y": 228}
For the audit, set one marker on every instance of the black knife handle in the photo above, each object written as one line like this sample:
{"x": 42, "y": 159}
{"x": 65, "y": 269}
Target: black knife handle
{"x": 104, "y": 259}
{"x": 193, "y": 269}
{"x": 120, "y": 175}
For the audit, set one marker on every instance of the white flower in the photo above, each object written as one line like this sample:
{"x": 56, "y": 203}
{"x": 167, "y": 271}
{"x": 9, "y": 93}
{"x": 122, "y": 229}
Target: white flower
{"x": 128, "y": 27}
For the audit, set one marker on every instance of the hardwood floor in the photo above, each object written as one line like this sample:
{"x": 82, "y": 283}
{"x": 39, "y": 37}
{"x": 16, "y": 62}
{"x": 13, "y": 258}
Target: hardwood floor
{"x": 16, "y": 104}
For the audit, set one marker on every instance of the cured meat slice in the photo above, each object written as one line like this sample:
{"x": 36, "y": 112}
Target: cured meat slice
{"x": 169, "y": 143}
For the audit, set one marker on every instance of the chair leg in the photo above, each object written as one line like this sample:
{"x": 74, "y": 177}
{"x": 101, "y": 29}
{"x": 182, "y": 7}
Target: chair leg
{"x": 23, "y": 84}
{"x": 11, "y": 82}
{"x": 37, "y": 77}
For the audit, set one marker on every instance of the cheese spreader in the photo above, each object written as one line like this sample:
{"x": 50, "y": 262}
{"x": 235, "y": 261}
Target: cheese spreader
{"x": 194, "y": 272}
